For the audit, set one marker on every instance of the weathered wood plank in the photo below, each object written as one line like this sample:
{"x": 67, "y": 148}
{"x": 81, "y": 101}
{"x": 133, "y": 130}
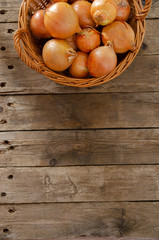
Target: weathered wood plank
{"x": 79, "y": 184}
{"x": 79, "y": 111}
{"x": 73, "y": 220}
{"x": 66, "y": 148}
{"x": 141, "y": 76}
{"x": 7, "y": 7}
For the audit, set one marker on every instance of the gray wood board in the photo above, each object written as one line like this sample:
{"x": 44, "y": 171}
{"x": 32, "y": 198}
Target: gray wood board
{"x": 79, "y": 184}
{"x": 79, "y": 111}
{"x": 87, "y": 147}
{"x": 72, "y": 220}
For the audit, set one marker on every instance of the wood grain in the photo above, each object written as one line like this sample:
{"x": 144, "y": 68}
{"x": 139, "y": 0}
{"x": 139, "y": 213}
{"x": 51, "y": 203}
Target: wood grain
{"x": 70, "y": 148}
{"x": 73, "y": 220}
{"x": 11, "y": 6}
{"x": 79, "y": 184}
{"x": 79, "y": 111}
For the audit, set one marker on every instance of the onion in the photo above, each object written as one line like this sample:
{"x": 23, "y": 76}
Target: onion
{"x": 123, "y": 10}
{"x": 58, "y": 55}
{"x": 71, "y": 42}
{"x": 54, "y": 1}
{"x": 88, "y": 39}
{"x": 122, "y": 36}
{"x": 37, "y": 25}
{"x": 61, "y": 20}
{"x": 79, "y": 67}
{"x": 82, "y": 9}
{"x": 102, "y": 61}
{"x": 103, "y": 11}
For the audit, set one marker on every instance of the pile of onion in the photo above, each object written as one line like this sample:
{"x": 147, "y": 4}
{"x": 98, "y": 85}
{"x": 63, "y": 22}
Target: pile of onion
{"x": 73, "y": 39}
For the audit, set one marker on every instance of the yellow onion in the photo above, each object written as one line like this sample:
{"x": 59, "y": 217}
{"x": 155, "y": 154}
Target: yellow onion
{"x": 61, "y": 20}
{"x": 123, "y": 10}
{"x": 88, "y": 39}
{"x": 58, "y": 55}
{"x": 37, "y": 25}
{"x": 79, "y": 68}
{"x": 82, "y": 8}
{"x": 121, "y": 34}
{"x": 102, "y": 60}
{"x": 103, "y": 11}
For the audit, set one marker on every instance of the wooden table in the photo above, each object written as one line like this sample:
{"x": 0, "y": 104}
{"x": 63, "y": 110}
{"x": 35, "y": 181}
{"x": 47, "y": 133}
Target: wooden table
{"x": 78, "y": 162}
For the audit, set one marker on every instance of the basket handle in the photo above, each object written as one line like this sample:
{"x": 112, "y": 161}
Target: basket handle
{"x": 143, "y": 13}
{"x": 18, "y": 37}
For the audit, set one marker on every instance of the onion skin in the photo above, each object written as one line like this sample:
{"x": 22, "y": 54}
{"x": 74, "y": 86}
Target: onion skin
{"x": 121, "y": 34}
{"x": 123, "y": 10}
{"x": 58, "y": 55}
{"x": 61, "y": 20}
{"x": 103, "y": 12}
{"x": 102, "y": 61}
{"x": 71, "y": 41}
{"x": 82, "y": 8}
{"x": 87, "y": 40}
{"x": 79, "y": 68}
{"x": 37, "y": 25}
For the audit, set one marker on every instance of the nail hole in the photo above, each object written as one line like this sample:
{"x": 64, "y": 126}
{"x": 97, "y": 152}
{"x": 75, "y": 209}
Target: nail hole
{"x": 6, "y": 230}
{"x": 10, "y": 177}
{"x": 6, "y": 142}
{"x": 11, "y": 210}
{"x": 10, "y": 67}
{"x": 144, "y": 46}
{"x": 53, "y": 162}
{"x": 3, "y": 84}
{"x": 10, "y": 31}
{"x": 11, "y": 147}
{"x": 3, "y": 194}
{"x": 3, "y": 121}
{"x": 3, "y": 48}
{"x": 3, "y": 11}
{"x": 10, "y": 104}
{"x": 1, "y": 109}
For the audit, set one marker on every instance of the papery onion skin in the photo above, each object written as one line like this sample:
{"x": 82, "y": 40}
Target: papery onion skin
{"x": 103, "y": 12}
{"x": 61, "y": 20}
{"x": 123, "y": 10}
{"x": 58, "y": 55}
{"x": 82, "y": 8}
{"x": 71, "y": 41}
{"x": 102, "y": 61}
{"x": 87, "y": 40}
{"x": 37, "y": 25}
{"x": 79, "y": 68}
{"x": 121, "y": 34}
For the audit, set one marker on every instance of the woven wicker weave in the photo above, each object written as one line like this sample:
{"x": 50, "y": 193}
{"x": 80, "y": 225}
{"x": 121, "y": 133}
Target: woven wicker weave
{"x": 28, "y": 49}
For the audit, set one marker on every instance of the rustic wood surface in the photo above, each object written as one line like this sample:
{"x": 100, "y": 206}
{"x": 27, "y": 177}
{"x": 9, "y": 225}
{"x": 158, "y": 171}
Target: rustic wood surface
{"x": 81, "y": 219}
{"x": 75, "y": 163}
{"x": 75, "y": 148}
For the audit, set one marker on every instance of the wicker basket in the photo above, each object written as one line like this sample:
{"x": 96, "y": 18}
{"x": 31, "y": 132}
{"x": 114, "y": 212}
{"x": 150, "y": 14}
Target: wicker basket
{"x": 28, "y": 49}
